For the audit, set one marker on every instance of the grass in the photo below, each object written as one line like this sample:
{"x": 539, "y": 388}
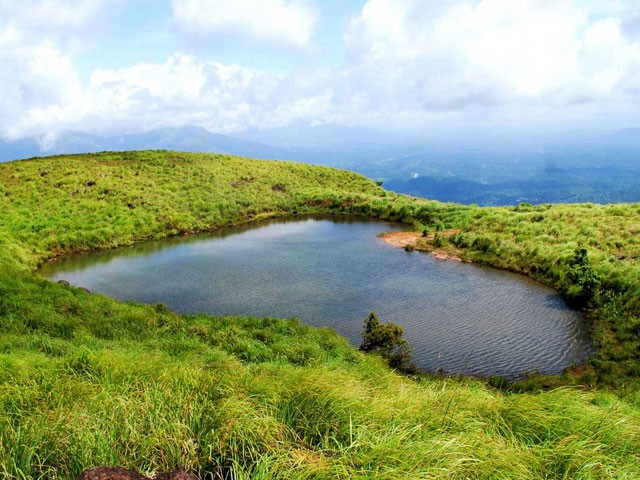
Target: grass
{"x": 86, "y": 380}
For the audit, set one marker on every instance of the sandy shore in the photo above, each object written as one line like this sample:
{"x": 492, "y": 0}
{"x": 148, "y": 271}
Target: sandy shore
{"x": 417, "y": 241}
{"x": 401, "y": 239}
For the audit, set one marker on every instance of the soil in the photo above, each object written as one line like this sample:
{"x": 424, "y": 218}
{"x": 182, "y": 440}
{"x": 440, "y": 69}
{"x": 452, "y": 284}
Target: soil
{"x": 418, "y": 242}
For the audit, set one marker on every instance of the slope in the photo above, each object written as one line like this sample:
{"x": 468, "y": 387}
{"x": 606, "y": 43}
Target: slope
{"x": 86, "y": 380}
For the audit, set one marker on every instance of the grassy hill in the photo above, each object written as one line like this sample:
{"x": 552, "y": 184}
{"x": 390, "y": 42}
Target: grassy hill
{"x": 86, "y": 380}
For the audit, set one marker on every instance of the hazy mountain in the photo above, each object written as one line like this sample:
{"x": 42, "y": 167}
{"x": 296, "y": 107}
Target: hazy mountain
{"x": 627, "y": 137}
{"x": 591, "y": 168}
{"x": 590, "y": 186}
{"x": 480, "y": 168}
{"x": 330, "y": 147}
{"x": 321, "y": 136}
{"x": 12, "y": 150}
{"x": 189, "y": 139}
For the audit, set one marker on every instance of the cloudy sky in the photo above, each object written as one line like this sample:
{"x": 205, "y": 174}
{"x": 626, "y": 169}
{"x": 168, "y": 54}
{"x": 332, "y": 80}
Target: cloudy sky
{"x": 114, "y": 66}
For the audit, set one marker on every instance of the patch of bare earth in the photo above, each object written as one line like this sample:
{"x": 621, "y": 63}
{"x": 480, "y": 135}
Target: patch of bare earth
{"x": 401, "y": 239}
{"x": 416, "y": 241}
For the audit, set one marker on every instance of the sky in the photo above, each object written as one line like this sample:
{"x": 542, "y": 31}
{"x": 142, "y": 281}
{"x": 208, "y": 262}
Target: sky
{"x": 119, "y": 66}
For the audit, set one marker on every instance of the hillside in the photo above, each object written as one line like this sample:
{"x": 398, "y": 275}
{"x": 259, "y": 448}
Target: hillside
{"x": 485, "y": 169}
{"x": 86, "y": 380}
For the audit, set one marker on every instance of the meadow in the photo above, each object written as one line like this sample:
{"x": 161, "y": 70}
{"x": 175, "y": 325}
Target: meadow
{"x": 86, "y": 380}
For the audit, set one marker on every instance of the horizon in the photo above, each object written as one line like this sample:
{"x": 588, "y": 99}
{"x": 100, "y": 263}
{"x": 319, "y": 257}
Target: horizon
{"x": 252, "y": 69}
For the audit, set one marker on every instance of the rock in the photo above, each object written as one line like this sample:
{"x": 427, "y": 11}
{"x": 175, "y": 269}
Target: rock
{"x": 177, "y": 475}
{"x": 90, "y": 183}
{"x": 118, "y": 473}
{"x": 63, "y": 282}
{"x": 241, "y": 181}
{"x": 131, "y": 205}
{"x": 111, "y": 473}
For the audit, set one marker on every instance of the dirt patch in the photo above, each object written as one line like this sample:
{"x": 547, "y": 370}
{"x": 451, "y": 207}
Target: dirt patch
{"x": 242, "y": 181}
{"x": 416, "y": 241}
{"x": 445, "y": 255}
{"x": 401, "y": 239}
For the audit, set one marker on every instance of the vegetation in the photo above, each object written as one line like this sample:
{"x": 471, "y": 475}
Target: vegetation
{"x": 86, "y": 380}
{"x": 386, "y": 340}
{"x": 584, "y": 281}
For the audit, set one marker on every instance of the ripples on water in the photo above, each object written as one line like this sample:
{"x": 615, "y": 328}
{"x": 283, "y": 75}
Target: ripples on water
{"x": 458, "y": 318}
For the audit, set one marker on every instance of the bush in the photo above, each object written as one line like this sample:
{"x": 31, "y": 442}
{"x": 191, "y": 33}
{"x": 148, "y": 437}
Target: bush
{"x": 484, "y": 244}
{"x": 585, "y": 281}
{"x": 386, "y": 340}
{"x": 439, "y": 241}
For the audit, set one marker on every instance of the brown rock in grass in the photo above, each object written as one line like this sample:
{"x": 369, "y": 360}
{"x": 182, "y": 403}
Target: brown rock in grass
{"x": 110, "y": 473}
{"x": 177, "y": 475}
{"x": 118, "y": 473}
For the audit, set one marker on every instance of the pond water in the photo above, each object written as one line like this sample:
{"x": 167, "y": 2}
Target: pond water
{"x": 458, "y": 318}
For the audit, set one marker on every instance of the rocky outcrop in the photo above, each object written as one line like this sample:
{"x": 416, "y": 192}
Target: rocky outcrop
{"x": 118, "y": 473}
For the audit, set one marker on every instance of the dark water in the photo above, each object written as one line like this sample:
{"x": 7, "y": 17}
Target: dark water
{"x": 458, "y": 318}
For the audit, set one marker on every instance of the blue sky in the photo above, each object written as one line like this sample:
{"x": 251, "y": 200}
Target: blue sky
{"x": 147, "y": 31}
{"x": 115, "y": 66}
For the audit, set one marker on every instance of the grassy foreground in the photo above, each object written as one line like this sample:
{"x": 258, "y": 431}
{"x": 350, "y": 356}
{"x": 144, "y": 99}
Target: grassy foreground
{"x": 86, "y": 380}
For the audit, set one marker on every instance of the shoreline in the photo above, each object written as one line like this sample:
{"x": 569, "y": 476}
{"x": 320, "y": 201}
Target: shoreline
{"x": 416, "y": 241}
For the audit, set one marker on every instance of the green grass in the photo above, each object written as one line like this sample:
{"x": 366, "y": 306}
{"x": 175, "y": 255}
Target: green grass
{"x": 86, "y": 380}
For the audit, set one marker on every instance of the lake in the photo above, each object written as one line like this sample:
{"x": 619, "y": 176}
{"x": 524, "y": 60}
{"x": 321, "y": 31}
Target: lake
{"x": 459, "y": 318}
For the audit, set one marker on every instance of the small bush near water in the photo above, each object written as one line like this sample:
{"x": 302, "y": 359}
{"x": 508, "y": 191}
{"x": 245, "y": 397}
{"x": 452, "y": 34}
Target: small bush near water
{"x": 386, "y": 340}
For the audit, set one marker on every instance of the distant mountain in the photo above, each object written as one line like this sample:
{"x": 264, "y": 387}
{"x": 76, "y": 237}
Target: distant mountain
{"x": 627, "y": 136}
{"x": 587, "y": 185}
{"x": 496, "y": 170}
{"x": 349, "y": 150}
{"x": 18, "y": 149}
{"x": 188, "y": 139}
{"x": 322, "y": 136}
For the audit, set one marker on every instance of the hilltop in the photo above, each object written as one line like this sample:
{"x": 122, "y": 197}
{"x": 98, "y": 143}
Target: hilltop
{"x": 86, "y": 380}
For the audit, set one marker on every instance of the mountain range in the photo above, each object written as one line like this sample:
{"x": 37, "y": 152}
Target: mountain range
{"x": 188, "y": 139}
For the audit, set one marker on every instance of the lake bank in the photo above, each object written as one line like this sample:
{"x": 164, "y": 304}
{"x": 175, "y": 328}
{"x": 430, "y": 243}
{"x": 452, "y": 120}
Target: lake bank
{"x": 424, "y": 243}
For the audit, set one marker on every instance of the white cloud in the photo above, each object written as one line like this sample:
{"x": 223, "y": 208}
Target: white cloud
{"x": 67, "y": 24}
{"x": 35, "y": 81}
{"x": 466, "y": 54}
{"x": 280, "y": 21}
{"x": 187, "y": 90}
{"x": 43, "y": 94}
{"x": 37, "y": 78}
{"x": 409, "y": 62}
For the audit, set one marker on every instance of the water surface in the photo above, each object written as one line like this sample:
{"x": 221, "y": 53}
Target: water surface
{"x": 458, "y": 318}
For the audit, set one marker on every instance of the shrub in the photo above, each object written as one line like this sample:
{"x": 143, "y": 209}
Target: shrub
{"x": 585, "y": 281}
{"x": 439, "y": 241}
{"x": 386, "y": 340}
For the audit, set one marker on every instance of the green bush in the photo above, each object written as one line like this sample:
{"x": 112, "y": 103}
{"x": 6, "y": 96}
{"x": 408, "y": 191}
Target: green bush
{"x": 386, "y": 340}
{"x": 585, "y": 281}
